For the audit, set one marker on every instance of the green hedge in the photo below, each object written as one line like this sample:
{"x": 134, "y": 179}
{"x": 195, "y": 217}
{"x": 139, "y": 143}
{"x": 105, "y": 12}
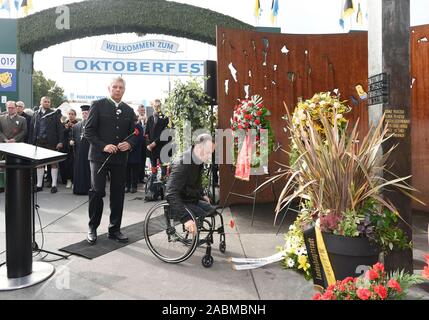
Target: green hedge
{"x": 98, "y": 17}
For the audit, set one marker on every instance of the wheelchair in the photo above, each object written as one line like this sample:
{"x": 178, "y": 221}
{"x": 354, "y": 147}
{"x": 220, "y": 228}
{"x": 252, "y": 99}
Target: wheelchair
{"x": 170, "y": 242}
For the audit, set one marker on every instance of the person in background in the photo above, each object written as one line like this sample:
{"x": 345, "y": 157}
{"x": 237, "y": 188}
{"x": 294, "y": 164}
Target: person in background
{"x": 13, "y": 128}
{"x": 142, "y": 119}
{"x": 134, "y": 161}
{"x": 20, "y": 107}
{"x": 81, "y": 170}
{"x": 66, "y": 167}
{"x": 154, "y": 128}
{"x": 47, "y": 132}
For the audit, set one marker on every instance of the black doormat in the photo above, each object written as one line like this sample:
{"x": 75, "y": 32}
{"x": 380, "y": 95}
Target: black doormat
{"x": 134, "y": 232}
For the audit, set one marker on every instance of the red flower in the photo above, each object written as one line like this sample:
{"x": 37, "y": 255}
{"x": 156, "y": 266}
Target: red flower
{"x": 393, "y": 284}
{"x": 381, "y": 291}
{"x": 341, "y": 288}
{"x": 136, "y": 132}
{"x": 371, "y": 275}
{"x": 329, "y": 295}
{"x": 347, "y": 280}
{"x": 258, "y": 138}
{"x": 257, "y": 122}
{"x": 363, "y": 294}
{"x": 317, "y": 296}
{"x": 259, "y": 113}
{"x": 425, "y": 272}
{"x": 378, "y": 267}
{"x": 232, "y": 223}
{"x": 240, "y": 127}
{"x": 248, "y": 116}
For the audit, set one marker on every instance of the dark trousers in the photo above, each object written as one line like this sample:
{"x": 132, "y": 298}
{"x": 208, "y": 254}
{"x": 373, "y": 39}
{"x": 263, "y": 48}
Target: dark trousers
{"x": 155, "y": 158}
{"x": 98, "y": 192}
{"x": 200, "y": 209}
{"x": 133, "y": 170}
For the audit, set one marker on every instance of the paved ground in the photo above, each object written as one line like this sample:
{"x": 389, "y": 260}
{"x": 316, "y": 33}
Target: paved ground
{"x": 132, "y": 272}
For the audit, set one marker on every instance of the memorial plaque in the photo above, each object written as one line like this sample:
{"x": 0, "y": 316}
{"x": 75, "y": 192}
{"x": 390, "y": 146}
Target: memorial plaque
{"x": 379, "y": 89}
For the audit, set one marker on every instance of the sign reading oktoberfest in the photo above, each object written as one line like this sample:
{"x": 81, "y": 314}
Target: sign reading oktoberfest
{"x": 134, "y": 66}
{"x": 145, "y": 45}
{"x": 7, "y": 72}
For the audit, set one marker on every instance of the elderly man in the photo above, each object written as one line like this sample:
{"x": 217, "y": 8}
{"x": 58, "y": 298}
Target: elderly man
{"x": 109, "y": 131}
{"x": 20, "y": 107}
{"x": 47, "y": 132}
{"x": 13, "y": 128}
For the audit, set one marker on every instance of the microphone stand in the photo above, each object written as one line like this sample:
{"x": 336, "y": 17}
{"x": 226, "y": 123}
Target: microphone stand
{"x": 34, "y": 204}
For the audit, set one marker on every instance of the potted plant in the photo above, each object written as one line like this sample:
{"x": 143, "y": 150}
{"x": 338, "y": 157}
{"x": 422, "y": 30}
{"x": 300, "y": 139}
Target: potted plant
{"x": 339, "y": 179}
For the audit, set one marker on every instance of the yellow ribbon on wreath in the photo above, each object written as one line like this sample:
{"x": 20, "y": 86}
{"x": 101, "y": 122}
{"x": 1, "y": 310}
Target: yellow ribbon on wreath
{"x": 324, "y": 257}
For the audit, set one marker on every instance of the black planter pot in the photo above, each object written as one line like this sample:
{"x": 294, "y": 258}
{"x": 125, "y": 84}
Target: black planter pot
{"x": 350, "y": 257}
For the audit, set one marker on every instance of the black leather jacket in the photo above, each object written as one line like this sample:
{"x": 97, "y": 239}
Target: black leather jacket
{"x": 184, "y": 184}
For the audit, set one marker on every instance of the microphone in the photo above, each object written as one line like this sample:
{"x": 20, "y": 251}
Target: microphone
{"x": 57, "y": 112}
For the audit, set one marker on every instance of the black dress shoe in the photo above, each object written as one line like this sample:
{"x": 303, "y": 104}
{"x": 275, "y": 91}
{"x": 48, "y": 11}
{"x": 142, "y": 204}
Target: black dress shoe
{"x": 133, "y": 190}
{"x": 127, "y": 190}
{"x": 54, "y": 190}
{"x": 92, "y": 236}
{"x": 38, "y": 189}
{"x": 118, "y": 236}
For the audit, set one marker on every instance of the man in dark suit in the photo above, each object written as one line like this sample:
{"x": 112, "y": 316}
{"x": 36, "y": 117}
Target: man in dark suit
{"x": 47, "y": 131}
{"x": 154, "y": 127}
{"x": 110, "y": 123}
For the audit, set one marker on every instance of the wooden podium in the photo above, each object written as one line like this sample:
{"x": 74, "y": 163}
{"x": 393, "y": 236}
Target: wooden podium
{"x": 20, "y": 271}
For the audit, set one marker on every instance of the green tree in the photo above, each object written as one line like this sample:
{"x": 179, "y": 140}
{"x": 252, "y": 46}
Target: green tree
{"x": 46, "y": 87}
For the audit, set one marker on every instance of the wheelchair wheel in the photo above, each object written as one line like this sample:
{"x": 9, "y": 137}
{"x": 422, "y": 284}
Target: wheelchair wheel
{"x": 222, "y": 246}
{"x": 166, "y": 237}
{"x": 207, "y": 261}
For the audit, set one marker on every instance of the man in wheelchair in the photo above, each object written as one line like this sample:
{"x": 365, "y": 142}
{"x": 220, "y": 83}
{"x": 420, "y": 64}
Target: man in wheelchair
{"x": 184, "y": 185}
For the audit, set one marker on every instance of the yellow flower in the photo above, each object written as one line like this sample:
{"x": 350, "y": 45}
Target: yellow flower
{"x": 302, "y": 263}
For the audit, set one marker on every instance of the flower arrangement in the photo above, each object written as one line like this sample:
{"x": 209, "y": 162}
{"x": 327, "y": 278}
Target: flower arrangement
{"x": 376, "y": 284}
{"x": 252, "y": 114}
{"x": 324, "y": 103}
{"x": 341, "y": 178}
{"x": 296, "y": 256}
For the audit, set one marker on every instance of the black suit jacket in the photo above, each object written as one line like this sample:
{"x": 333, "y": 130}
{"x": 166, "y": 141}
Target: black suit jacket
{"x": 153, "y": 131}
{"x": 108, "y": 125}
{"x": 54, "y": 127}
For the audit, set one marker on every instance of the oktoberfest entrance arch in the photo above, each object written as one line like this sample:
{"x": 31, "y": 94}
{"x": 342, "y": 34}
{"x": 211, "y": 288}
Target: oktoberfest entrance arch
{"x": 100, "y": 17}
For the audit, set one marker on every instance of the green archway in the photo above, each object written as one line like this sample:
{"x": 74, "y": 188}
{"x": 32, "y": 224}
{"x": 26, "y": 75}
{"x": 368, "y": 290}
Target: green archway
{"x": 99, "y": 17}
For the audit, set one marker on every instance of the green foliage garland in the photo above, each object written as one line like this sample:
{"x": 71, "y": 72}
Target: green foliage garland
{"x": 98, "y": 17}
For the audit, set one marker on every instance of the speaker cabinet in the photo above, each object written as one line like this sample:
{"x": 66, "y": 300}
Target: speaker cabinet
{"x": 210, "y": 81}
